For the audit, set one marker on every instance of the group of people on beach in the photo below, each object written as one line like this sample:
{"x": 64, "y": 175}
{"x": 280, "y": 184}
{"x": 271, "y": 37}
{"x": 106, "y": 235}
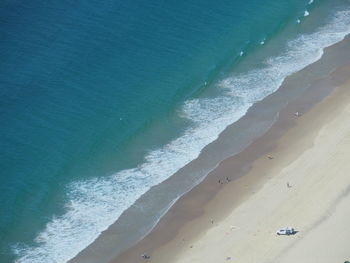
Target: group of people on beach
{"x": 222, "y": 181}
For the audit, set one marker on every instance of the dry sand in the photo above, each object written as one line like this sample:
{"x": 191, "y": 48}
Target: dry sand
{"x": 313, "y": 157}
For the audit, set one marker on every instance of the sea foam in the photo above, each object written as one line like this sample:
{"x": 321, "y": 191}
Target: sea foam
{"x": 97, "y": 203}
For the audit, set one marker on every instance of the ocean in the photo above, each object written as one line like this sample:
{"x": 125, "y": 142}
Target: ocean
{"x": 102, "y": 101}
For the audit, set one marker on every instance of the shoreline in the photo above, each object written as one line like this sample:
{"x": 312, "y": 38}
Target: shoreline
{"x": 135, "y": 222}
{"x": 183, "y": 212}
{"x": 134, "y": 170}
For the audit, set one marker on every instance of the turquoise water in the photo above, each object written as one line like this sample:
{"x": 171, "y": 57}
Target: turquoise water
{"x": 101, "y": 100}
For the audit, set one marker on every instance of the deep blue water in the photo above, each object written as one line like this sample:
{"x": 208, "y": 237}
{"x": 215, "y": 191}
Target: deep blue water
{"x": 90, "y": 88}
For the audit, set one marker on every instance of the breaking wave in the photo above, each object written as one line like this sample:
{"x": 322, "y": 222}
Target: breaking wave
{"x": 97, "y": 203}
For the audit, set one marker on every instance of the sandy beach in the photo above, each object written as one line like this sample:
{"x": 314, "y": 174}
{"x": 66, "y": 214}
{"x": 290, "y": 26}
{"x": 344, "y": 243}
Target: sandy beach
{"x": 316, "y": 203}
{"x": 313, "y": 159}
{"x": 175, "y": 131}
{"x": 302, "y": 182}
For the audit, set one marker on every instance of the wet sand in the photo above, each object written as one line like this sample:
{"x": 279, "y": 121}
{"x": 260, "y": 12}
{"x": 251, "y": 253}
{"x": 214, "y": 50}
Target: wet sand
{"x": 313, "y": 159}
{"x": 237, "y": 220}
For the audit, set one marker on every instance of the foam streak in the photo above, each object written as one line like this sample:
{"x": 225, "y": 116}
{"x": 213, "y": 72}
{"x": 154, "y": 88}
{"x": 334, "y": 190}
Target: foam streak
{"x": 96, "y": 204}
